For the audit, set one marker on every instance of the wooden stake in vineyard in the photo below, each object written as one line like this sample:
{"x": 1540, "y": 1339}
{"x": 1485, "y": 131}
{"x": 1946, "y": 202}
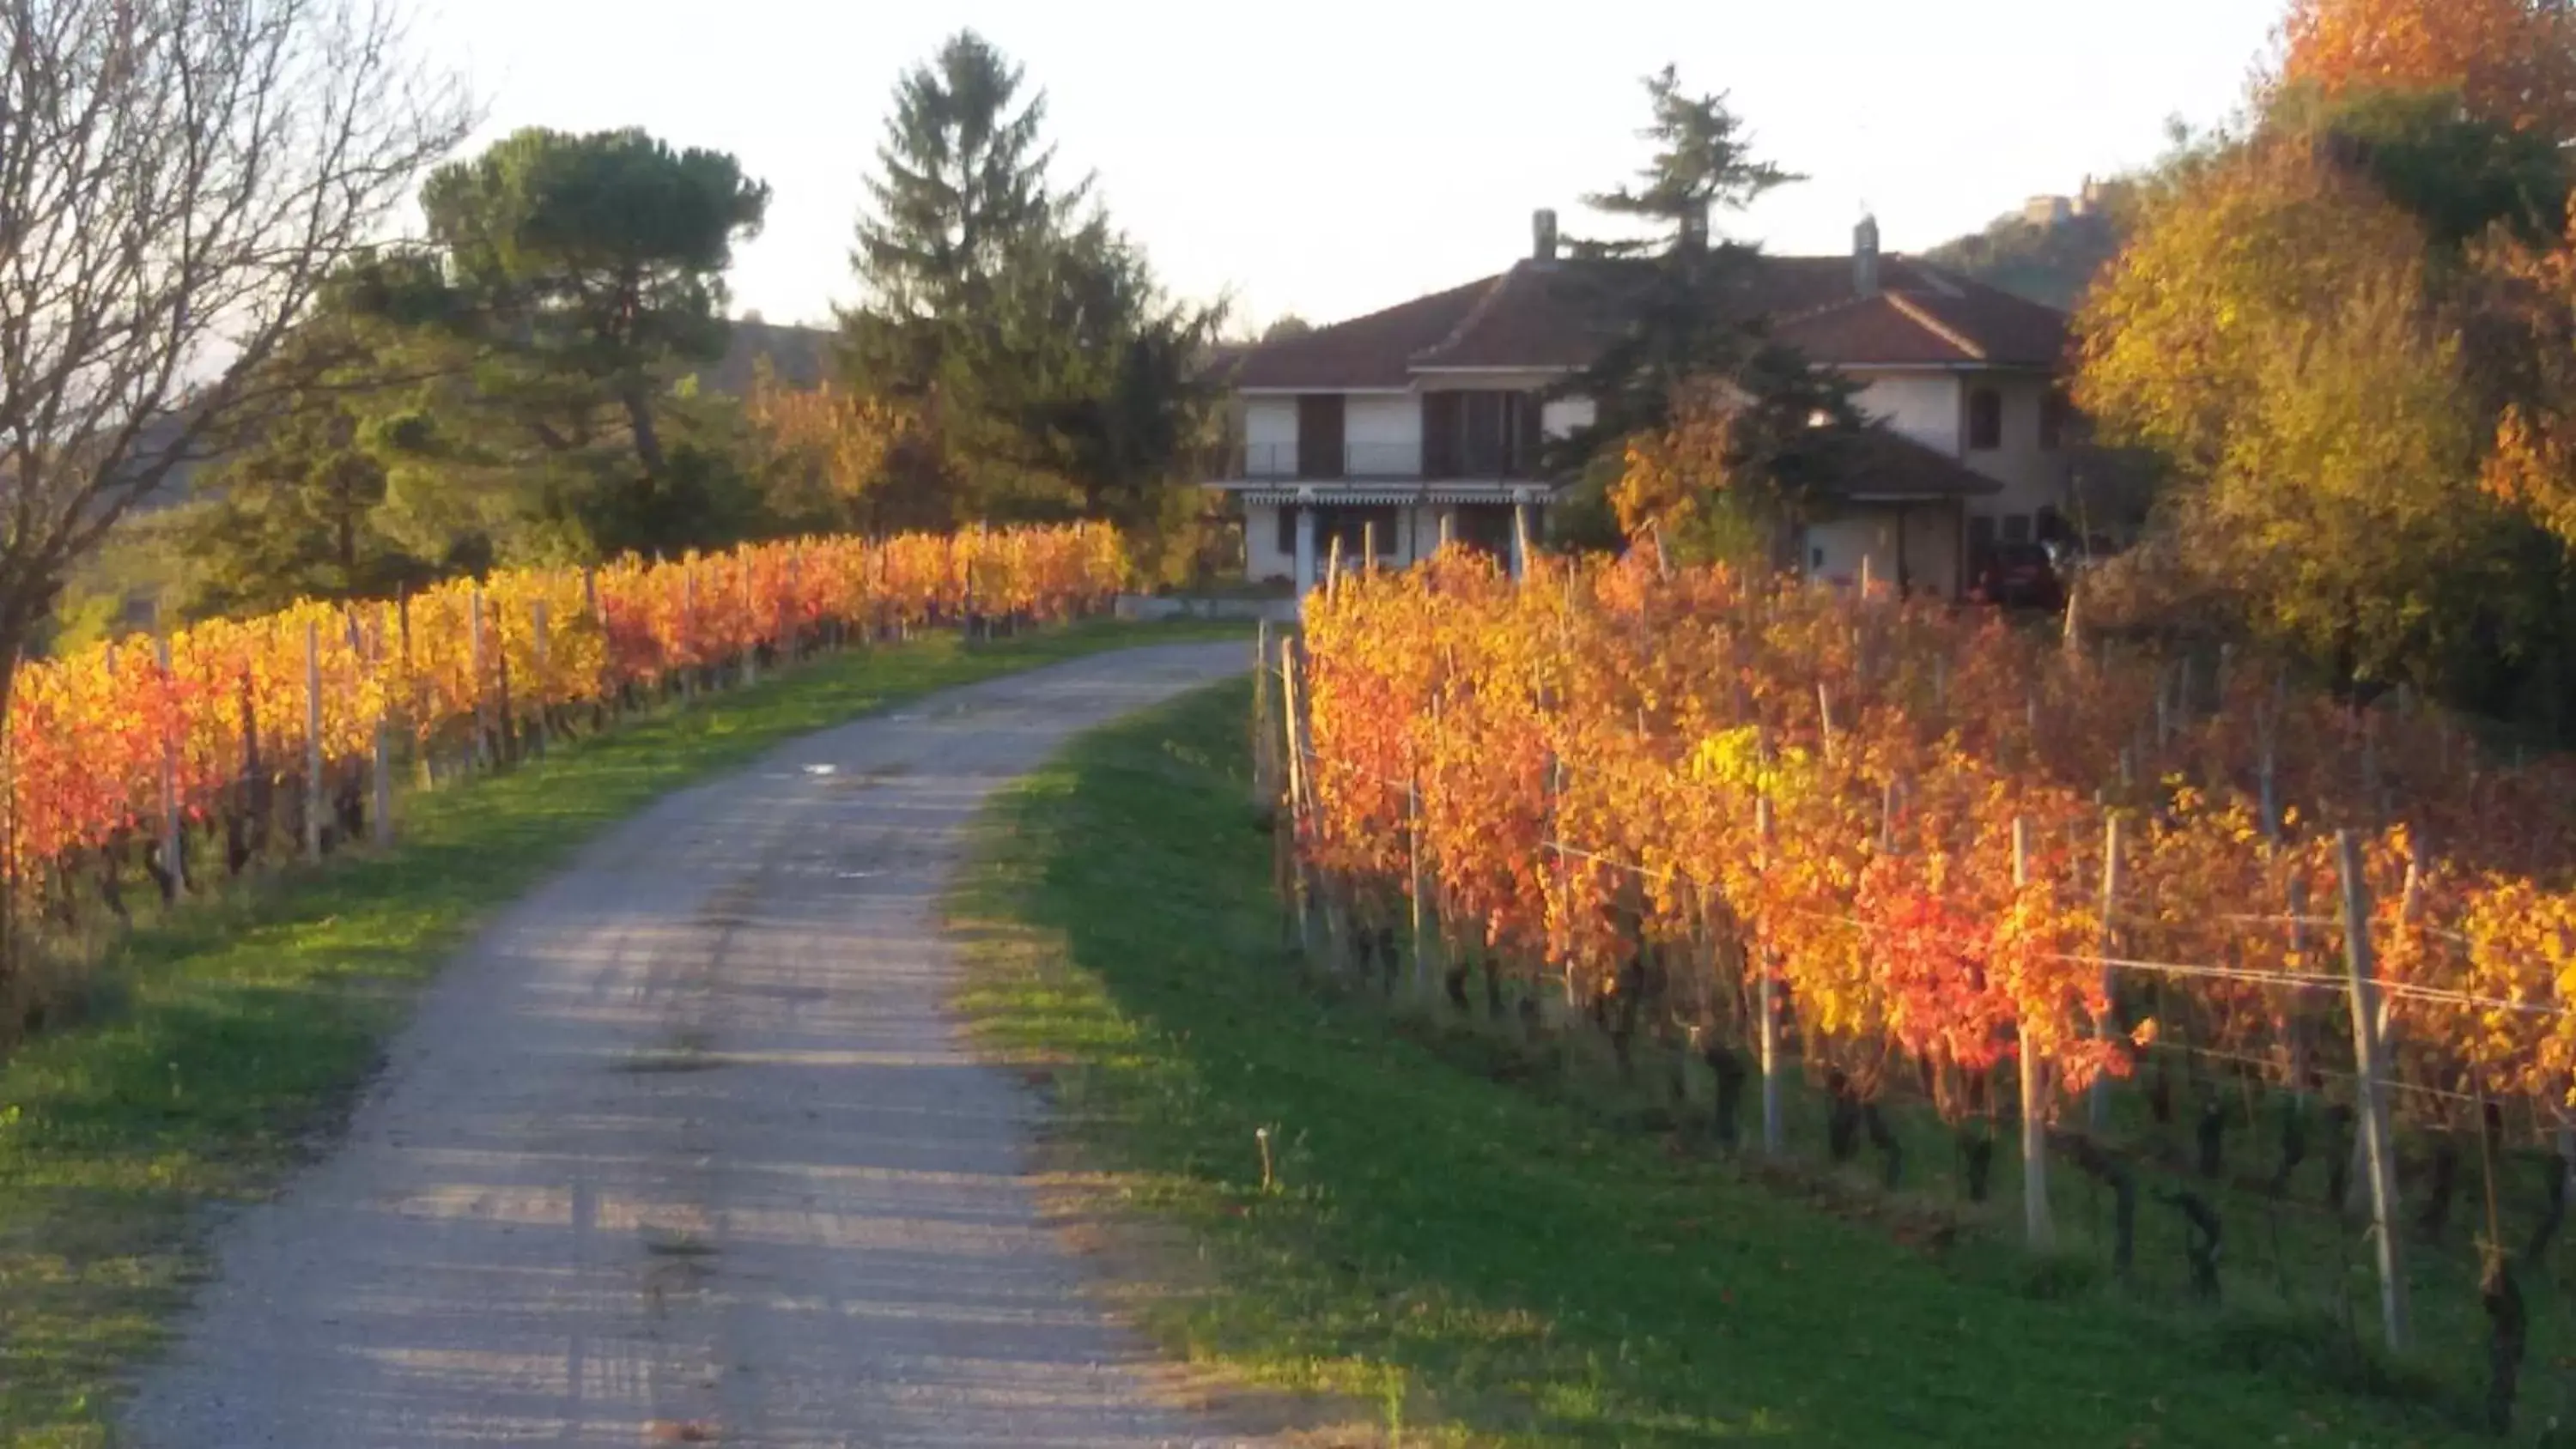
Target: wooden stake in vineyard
{"x": 537, "y": 688}
{"x": 1419, "y": 866}
{"x": 474, "y": 657}
{"x": 2098, "y": 1101}
{"x": 315, "y": 796}
{"x": 2363, "y": 988}
{"x": 1265, "y": 785}
{"x": 751, "y": 640}
{"x": 1766, "y": 1010}
{"x": 1300, "y": 898}
{"x": 2039, "y": 1228}
{"x": 174, "y": 881}
{"x": 380, "y": 820}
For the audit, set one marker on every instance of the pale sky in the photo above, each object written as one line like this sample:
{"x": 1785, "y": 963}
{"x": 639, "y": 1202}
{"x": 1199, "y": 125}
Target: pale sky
{"x": 1329, "y": 157}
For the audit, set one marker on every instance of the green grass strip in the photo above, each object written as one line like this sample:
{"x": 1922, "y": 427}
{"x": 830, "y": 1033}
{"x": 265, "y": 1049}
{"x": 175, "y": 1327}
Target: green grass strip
{"x": 1475, "y": 1263}
{"x": 230, "y": 1037}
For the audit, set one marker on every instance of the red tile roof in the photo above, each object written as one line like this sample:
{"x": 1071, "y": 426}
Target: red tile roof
{"x": 1372, "y": 351}
{"x": 1546, "y": 316}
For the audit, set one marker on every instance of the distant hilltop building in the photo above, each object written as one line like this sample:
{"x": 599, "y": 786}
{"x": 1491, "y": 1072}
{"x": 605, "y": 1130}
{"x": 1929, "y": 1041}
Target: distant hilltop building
{"x": 2046, "y": 212}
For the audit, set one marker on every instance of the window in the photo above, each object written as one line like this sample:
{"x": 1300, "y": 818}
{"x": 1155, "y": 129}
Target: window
{"x": 2049, "y": 525}
{"x": 1320, "y": 453}
{"x": 2016, "y": 528}
{"x": 1986, "y": 420}
{"x": 1288, "y": 530}
{"x": 1480, "y": 434}
{"x": 2056, "y": 416}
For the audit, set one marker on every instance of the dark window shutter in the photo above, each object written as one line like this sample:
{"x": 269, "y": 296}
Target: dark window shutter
{"x": 1319, "y": 436}
{"x": 1441, "y": 425}
{"x": 1985, "y": 419}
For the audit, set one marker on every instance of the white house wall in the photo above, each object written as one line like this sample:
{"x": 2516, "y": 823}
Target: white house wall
{"x": 2033, "y": 477}
{"x": 1262, "y": 556}
{"x": 1270, "y": 435}
{"x": 1562, "y": 417}
{"x": 1384, "y": 431}
{"x": 1836, "y": 547}
{"x": 1932, "y": 549}
{"x": 1924, "y": 406}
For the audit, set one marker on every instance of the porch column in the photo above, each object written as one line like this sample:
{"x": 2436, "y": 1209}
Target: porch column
{"x": 1305, "y": 547}
{"x": 1520, "y": 536}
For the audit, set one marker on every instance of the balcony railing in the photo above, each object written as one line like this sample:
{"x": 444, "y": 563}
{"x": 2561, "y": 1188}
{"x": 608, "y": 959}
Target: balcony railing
{"x": 1269, "y": 462}
{"x": 1287, "y": 462}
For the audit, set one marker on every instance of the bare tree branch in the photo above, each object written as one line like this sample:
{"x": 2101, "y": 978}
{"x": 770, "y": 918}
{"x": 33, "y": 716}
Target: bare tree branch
{"x": 177, "y": 180}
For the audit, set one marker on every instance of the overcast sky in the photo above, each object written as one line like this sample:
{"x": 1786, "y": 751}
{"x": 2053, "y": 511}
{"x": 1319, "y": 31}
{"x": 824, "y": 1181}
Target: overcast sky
{"x": 1330, "y": 157}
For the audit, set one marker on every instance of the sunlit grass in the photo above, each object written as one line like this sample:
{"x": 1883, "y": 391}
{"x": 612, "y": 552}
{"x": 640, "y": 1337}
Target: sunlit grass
{"x": 1490, "y": 1263}
{"x": 229, "y": 1037}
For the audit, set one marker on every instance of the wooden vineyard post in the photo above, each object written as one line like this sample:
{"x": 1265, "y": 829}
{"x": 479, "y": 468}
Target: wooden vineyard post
{"x": 380, "y": 819}
{"x": 751, "y": 641}
{"x": 537, "y": 689}
{"x": 474, "y": 662}
{"x": 2098, "y": 1100}
{"x": 2373, "y": 1104}
{"x": 2039, "y": 1229}
{"x": 173, "y": 858}
{"x": 314, "y": 795}
{"x": 1766, "y": 1011}
{"x": 1265, "y": 778}
{"x": 689, "y": 629}
{"x": 1297, "y": 896}
{"x": 1422, "y": 974}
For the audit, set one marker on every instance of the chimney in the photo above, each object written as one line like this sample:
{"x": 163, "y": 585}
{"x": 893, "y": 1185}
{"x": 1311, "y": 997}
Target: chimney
{"x": 1543, "y": 235}
{"x": 1865, "y": 257}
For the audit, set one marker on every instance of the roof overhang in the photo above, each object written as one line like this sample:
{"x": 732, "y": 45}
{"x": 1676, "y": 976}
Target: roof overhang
{"x": 1433, "y": 369}
{"x": 1900, "y": 500}
{"x": 1335, "y": 387}
{"x": 1386, "y": 493}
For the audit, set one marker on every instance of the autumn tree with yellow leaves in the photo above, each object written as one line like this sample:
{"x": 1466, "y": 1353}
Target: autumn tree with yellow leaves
{"x": 2345, "y": 328}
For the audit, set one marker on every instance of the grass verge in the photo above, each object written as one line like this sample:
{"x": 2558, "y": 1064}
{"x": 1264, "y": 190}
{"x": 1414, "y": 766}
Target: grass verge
{"x": 1474, "y": 1263}
{"x": 226, "y": 1040}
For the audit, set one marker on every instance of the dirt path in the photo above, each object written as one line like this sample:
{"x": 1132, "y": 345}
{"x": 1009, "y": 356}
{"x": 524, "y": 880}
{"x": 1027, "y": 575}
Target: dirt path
{"x": 685, "y": 1149}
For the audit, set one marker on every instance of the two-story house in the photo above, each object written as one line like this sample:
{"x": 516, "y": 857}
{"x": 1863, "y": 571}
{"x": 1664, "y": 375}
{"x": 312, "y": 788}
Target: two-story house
{"x": 1425, "y": 420}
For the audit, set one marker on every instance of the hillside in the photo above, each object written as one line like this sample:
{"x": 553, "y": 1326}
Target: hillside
{"x": 2052, "y": 263}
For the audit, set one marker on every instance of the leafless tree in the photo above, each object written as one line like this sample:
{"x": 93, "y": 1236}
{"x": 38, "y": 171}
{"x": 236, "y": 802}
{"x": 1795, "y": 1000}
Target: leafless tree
{"x": 177, "y": 179}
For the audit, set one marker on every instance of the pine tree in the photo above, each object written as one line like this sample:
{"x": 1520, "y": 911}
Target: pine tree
{"x": 963, "y": 197}
{"x": 1047, "y": 369}
{"x": 1678, "y": 297}
{"x": 1683, "y": 314}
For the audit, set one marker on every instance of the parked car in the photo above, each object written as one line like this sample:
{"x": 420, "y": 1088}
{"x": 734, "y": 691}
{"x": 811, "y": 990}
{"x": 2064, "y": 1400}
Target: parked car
{"x": 2019, "y": 576}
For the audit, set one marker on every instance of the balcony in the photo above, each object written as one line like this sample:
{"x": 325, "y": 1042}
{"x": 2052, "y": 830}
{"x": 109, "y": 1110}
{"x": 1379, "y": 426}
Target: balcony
{"x": 1377, "y": 462}
{"x": 1287, "y": 462}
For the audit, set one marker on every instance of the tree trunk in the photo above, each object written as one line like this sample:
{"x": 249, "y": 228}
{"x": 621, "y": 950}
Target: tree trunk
{"x": 648, "y": 438}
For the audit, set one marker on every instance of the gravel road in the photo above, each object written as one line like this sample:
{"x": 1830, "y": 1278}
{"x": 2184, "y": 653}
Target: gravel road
{"x": 686, "y": 1149}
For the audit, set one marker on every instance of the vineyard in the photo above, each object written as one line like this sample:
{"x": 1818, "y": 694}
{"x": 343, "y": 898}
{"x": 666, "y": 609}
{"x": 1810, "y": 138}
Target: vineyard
{"x": 2119, "y": 907}
{"x": 188, "y": 757}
